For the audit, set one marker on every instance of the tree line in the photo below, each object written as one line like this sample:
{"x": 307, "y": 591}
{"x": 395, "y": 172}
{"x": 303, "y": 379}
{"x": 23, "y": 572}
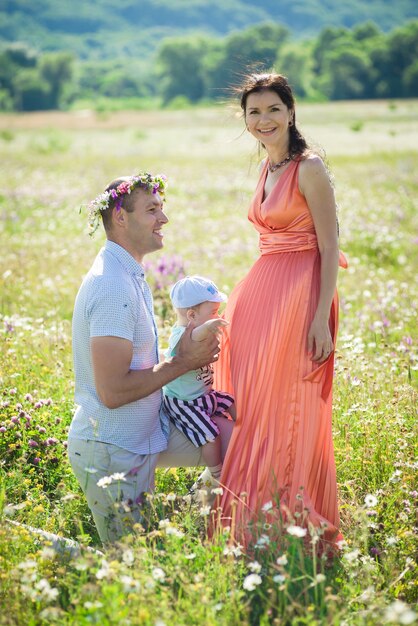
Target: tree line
{"x": 338, "y": 64}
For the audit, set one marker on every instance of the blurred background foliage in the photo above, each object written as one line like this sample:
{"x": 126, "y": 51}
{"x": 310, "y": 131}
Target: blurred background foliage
{"x": 148, "y": 53}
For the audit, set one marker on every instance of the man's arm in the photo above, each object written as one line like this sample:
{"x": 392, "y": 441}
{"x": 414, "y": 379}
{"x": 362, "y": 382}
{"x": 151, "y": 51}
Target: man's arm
{"x": 117, "y": 384}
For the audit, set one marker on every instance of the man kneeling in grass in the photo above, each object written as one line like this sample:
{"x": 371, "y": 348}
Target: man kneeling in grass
{"x": 119, "y": 435}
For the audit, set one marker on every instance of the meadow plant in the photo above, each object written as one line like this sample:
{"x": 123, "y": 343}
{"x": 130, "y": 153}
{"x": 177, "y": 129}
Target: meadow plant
{"x": 168, "y": 572}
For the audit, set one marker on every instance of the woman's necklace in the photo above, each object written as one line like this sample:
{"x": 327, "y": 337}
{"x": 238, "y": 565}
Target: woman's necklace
{"x": 275, "y": 166}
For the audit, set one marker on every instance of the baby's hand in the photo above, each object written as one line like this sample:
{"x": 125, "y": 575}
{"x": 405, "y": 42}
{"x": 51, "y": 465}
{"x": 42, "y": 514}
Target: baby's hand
{"x": 215, "y": 326}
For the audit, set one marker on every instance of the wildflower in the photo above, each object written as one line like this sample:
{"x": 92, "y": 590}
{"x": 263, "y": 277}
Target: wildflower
{"x": 237, "y": 550}
{"x": 352, "y": 556}
{"x": 171, "y": 497}
{"x": 104, "y": 482}
{"x": 81, "y": 566}
{"x": 218, "y": 607}
{"x": 370, "y": 500}
{"x": 233, "y": 550}
{"x": 32, "y": 443}
{"x": 129, "y": 584}
{"x": 262, "y": 541}
{"x": 128, "y": 557}
{"x": 51, "y": 614}
{"x": 201, "y": 495}
{"x": 93, "y": 605}
{"x": 118, "y": 476}
{"x": 392, "y": 541}
{"x": 369, "y": 564}
{"x": 367, "y": 595}
{"x": 30, "y": 564}
{"x": 251, "y": 582}
{"x": 47, "y": 592}
{"x": 172, "y": 530}
{"x": 205, "y": 510}
{"x": 218, "y": 491}
{"x": 400, "y": 613}
{"x": 396, "y": 476}
{"x": 279, "y": 578}
{"x": 296, "y": 531}
{"x": 254, "y": 566}
{"x": 48, "y": 554}
{"x": 164, "y": 523}
{"x": 104, "y": 571}
{"x": 282, "y": 560}
{"x": 150, "y": 584}
{"x": 267, "y": 506}
{"x": 158, "y": 574}
{"x": 320, "y": 578}
{"x": 190, "y": 556}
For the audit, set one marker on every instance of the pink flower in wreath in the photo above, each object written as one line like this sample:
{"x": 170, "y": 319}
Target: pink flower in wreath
{"x": 124, "y": 187}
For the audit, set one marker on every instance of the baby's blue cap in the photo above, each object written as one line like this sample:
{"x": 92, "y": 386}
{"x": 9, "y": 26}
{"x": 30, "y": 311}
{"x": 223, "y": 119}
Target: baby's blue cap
{"x": 193, "y": 290}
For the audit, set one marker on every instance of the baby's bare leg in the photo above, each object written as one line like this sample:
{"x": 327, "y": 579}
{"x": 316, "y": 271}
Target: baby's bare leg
{"x": 233, "y": 412}
{"x": 212, "y": 456}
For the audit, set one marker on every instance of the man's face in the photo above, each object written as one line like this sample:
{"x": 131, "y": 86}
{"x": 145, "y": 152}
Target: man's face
{"x": 143, "y": 227}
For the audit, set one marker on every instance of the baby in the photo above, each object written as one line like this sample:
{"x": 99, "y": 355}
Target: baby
{"x": 190, "y": 401}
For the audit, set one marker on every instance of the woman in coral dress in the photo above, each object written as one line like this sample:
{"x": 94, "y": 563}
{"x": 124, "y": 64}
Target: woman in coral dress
{"x": 278, "y": 353}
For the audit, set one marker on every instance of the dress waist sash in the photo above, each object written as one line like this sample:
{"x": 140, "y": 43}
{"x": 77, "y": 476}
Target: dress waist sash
{"x": 273, "y": 243}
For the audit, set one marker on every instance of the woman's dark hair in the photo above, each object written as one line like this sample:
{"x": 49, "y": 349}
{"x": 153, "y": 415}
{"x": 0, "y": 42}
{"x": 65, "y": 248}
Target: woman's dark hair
{"x": 255, "y": 83}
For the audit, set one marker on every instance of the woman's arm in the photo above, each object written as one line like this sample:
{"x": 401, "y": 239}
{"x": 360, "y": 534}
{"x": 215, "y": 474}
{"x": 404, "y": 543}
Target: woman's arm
{"x": 315, "y": 185}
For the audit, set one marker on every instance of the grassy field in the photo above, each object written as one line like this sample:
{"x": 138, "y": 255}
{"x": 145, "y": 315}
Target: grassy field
{"x": 169, "y": 574}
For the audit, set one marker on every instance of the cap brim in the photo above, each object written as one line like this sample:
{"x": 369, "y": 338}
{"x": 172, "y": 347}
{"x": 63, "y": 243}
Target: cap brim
{"x": 220, "y": 297}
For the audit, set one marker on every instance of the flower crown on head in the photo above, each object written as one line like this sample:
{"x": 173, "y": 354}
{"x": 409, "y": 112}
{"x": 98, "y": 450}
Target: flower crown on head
{"x": 143, "y": 180}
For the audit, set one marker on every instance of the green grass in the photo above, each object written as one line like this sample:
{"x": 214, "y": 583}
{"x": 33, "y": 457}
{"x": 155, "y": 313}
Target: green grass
{"x": 169, "y": 572}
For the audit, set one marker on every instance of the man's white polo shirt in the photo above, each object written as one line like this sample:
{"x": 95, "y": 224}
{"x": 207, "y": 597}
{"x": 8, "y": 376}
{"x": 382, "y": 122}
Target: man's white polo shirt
{"x": 115, "y": 300}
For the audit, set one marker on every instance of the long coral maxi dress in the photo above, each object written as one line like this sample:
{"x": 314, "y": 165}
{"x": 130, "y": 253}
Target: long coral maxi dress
{"x": 281, "y": 447}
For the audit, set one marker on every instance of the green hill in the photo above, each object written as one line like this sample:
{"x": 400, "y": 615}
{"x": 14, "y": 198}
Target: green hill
{"x": 101, "y": 29}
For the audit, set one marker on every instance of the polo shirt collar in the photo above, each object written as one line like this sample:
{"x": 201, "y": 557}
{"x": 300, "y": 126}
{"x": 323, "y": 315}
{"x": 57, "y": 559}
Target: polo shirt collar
{"x": 125, "y": 259}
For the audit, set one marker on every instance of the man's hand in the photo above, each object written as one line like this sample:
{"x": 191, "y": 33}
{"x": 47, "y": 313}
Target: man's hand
{"x": 196, "y": 354}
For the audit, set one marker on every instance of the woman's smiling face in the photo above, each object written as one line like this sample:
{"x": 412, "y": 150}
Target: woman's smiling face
{"x": 267, "y": 117}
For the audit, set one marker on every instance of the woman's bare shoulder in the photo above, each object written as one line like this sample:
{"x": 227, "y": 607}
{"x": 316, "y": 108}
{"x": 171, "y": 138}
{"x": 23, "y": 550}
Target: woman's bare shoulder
{"x": 312, "y": 162}
{"x": 312, "y": 171}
